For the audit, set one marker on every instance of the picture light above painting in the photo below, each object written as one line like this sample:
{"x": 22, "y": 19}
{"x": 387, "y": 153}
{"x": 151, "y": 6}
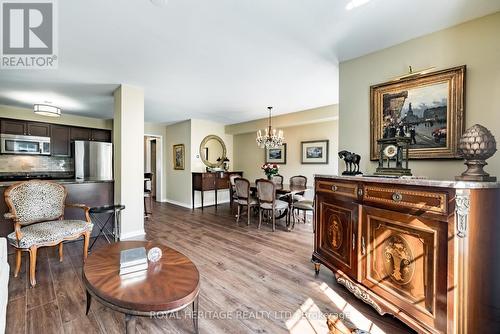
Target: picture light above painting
{"x": 428, "y": 109}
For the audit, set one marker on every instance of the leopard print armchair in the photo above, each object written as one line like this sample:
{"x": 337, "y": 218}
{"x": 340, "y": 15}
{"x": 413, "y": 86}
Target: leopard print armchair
{"x": 37, "y": 210}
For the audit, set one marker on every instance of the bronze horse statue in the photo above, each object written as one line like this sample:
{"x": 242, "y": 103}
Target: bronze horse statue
{"x": 351, "y": 162}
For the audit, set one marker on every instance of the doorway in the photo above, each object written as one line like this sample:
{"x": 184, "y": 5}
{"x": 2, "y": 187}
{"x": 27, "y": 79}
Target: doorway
{"x": 153, "y": 162}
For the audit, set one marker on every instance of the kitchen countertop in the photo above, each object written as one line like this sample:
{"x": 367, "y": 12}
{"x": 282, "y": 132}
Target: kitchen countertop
{"x": 415, "y": 181}
{"x": 61, "y": 181}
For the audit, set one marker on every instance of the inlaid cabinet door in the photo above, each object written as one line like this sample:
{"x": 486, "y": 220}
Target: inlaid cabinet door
{"x": 337, "y": 237}
{"x": 405, "y": 263}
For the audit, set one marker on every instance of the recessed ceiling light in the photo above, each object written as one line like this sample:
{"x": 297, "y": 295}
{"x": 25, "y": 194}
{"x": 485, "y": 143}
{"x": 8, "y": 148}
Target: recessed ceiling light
{"x": 46, "y": 110}
{"x": 355, "y": 3}
{"x": 159, "y": 3}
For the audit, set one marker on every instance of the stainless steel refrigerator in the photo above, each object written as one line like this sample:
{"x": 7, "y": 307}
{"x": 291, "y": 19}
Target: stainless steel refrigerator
{"x": 93, "y": 160}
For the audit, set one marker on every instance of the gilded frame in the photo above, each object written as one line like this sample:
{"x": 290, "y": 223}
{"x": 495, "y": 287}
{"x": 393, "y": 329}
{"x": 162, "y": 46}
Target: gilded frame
{"x": 224, "y": 151}
{"x": 180, "y": 147}
{"x": 455, "y": 77}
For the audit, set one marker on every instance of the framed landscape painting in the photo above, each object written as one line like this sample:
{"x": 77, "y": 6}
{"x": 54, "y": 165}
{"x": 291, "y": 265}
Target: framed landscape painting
{"x": 315, "y": 152}
{"x": 428, "y": 109}
{"x": 179, "y": 156}
{"x": 276, "y": 155}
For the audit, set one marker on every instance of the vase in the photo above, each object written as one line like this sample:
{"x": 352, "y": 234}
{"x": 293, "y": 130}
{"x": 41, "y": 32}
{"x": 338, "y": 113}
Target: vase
{"x": 269, "y": 177}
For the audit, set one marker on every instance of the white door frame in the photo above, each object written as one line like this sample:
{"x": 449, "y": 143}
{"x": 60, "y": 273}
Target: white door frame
{"x": 159, "y": 163}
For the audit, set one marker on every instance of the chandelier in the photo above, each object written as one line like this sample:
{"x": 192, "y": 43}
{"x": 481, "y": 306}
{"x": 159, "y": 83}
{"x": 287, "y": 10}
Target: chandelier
{"x": 271, "y": 138}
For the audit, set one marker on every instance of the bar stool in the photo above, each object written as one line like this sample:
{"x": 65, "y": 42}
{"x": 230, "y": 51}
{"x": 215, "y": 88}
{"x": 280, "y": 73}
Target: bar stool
{"x": 113, "y": 214}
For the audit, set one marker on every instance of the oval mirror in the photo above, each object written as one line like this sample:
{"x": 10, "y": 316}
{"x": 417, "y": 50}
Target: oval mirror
{"x": 212, "y": 151}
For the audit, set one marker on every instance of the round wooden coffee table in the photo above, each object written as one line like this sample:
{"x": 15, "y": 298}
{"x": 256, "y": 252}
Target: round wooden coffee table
{"x": 169, "y": 285}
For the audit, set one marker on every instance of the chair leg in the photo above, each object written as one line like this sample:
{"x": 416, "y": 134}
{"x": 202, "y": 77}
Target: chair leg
{"x": 248, "y": 214}
{"x": 32, "y": 252}
{"x": 274, "y": 219}
{"x": 61, "y": 252}
{"x": 150, "y": 205}
{"x": 260, "y": 217}
{"x": 19, "y": 255}
{"x": 238, "y": 214}
{"x": 86, "y": 238}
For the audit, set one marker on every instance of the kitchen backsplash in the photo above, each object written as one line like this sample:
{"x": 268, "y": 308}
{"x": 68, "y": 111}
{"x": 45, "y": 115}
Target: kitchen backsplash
{"x": 25, "y": 163}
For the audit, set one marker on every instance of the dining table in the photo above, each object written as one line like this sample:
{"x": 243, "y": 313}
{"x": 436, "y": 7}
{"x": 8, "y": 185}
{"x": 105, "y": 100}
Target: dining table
{"x": 284, "y": 192}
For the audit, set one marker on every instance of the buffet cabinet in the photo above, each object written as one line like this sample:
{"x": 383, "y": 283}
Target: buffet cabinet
{"x": 212, "y": 181}
{"x": 425, "y": 252}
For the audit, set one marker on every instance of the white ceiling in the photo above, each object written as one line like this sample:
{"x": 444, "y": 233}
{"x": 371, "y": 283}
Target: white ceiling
{"x": 224, "y": 60}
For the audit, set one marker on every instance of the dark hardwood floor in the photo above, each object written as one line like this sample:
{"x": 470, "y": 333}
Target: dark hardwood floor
{"x": 252, "y": 281}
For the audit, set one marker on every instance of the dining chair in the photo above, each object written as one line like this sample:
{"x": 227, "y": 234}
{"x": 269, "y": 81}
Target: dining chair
{"x": 305, "y": 206}
{"x": 244, "y": 198}
{"x": 266, "y": 194}
{"x": 277, "y": 179}
{"x": 148, "y": 195}
{"x": 37, "y": 209}
{"x": 232, "y": 189}
{"x": 298, "y": 181}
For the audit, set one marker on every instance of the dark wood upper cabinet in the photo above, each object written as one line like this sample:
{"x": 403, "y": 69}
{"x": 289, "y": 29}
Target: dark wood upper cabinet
{"x": 13, "y": 127}
{"x": 80, "y": 133}
{"x": 60, "y": 140}
{"x": 38, "y": 129}
{"x": 101, "y": 135}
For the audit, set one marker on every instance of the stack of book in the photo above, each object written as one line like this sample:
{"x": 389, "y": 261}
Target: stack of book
{"x": 133, "y": 260}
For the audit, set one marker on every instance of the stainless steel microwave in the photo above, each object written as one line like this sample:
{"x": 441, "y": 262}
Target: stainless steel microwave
{"x": 15, "y": 144}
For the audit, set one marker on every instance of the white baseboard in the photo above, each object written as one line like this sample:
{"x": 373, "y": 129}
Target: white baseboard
{"x": 133, "y": 235}
{"x": 210, "y": 203}
{"x": 197, "y": 205}
{"x": 185, "y": 205}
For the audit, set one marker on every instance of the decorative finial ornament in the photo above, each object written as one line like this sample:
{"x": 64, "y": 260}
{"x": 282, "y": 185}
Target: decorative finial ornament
{"x": 476, "y": 145}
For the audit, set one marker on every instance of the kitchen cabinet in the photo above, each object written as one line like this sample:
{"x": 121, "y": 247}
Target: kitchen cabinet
{"x": 78, "y": 133}
{"x": 423, "y": 251}
{"x": 38, "y": 129}
{"x": 60, "y": 140}
{"x": 13, "y": 127}
{"x": 24, "y": 128}
{"x": 101, "y": 135}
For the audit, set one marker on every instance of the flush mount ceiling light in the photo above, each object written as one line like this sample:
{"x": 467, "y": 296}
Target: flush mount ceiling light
{"x": 46, "y": 110}
{"x": 355, "y": 3}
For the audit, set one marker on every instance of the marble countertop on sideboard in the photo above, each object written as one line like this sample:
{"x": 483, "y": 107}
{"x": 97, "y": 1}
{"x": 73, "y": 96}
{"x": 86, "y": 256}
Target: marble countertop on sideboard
{"x": 414, "y": 181}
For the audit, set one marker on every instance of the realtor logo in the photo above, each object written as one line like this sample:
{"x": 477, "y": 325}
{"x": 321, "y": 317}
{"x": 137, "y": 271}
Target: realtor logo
{"x": 29, "y": 34}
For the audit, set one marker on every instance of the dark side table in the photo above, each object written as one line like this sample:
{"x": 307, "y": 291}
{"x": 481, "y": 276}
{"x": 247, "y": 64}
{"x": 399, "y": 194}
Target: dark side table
{"x": 102, "y": 216}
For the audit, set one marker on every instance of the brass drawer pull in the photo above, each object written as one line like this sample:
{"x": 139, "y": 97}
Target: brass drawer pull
{"x": 335, "y": 188}
{"x": 397, "y": 197}
{"x": 353, "y": 241}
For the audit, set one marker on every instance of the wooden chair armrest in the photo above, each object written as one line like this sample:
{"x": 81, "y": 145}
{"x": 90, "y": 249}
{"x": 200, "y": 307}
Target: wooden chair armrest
{"x": 9, "y": 215}
{"x": 17, "y": 226}
{"x": 83, "y": 207}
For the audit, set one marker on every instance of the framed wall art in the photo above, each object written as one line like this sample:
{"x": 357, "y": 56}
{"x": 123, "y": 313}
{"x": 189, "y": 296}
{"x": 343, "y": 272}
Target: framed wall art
{"x": 428, "y": 109}
{"x": 179, "y": 156}
{"x": 276, "y": 155}
{"x": 314, "y": 152}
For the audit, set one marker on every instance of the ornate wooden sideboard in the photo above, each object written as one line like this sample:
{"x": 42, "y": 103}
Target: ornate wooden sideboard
{"x": 207, "y": 181}
{"x": 426, "y": 252}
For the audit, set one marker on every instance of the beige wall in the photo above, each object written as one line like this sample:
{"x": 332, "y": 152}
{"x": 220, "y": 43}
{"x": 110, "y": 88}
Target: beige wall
{"x": 65, "y": 119}
{"x": 475, "y": 44}
{"x": 249, "y": 157}
{"x": 199, "y": 130}
{"x": 178, "y": 182}
{"x": 315, "y": 115}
